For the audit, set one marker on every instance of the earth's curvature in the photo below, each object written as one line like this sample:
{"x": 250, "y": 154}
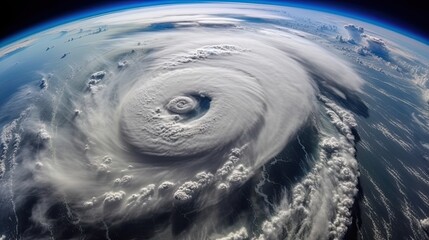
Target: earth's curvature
{"x": 214, "y": 121}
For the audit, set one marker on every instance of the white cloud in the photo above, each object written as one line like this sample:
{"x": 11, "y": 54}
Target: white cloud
{"x": 43, "y": 134}
{"x": 355, "y": 33}
{"x": 188, "y": 189}
{"x": 341, "y": 118}
{"x": 114, "y": 197}
{"x": 165, "y": 186}
{"x": 321, "y": 203}
{"x": 425, "y": 224}
{"x": 98, "y": 75}
{"x": 240, "y": 234}
{"x": 123, "y": 181}
{"x": 204, "y": 53}
{"x": 5, "y": 140}
{"x": 239, "y": 174}
{"x": 377, "y": 46}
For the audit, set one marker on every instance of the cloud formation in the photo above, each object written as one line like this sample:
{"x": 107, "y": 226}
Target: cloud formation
{"x": 320, "y": 205}
{"x": 355, "y": 33}
{"x": 185, "y": 120}
{"x": 425, "y": 224}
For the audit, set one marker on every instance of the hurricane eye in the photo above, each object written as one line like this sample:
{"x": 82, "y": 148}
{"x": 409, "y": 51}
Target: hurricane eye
{"x": 182, "y": 104}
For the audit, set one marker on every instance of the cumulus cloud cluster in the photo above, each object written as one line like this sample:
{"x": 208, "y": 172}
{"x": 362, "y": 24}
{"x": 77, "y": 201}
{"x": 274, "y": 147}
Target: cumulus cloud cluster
{"x": 321, "y": 203}
{"x": 425, "y": 224}
{"x": 341, "y": 118}
{"x": 355, "y": 33}
{"x": 240, "y": 234}
{"x": 367, "y": 44}
{"x": 377, "y": 46}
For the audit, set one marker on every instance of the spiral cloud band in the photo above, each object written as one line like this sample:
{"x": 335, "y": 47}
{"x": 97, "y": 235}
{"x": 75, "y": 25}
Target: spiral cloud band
{"x": 162, "y": 112}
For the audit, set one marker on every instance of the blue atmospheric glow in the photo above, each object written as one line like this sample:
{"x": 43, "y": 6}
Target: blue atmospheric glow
{"x": 109, "y": 8}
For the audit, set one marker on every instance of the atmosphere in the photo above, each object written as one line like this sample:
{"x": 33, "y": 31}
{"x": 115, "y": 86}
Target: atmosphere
{"x": 409, "y": 16}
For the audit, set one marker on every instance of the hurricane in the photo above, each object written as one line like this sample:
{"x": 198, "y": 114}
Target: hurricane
{"x": 158, "y": 127}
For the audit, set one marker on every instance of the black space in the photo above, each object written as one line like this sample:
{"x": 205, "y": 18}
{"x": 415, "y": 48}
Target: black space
{"x": 410, "y": 15}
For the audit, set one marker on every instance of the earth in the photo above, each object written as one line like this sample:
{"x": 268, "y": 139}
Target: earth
{"x": 215, "y": 121}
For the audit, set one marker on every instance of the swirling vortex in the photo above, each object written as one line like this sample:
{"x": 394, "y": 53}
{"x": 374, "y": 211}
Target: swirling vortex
{"x": 179, "y": 118}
